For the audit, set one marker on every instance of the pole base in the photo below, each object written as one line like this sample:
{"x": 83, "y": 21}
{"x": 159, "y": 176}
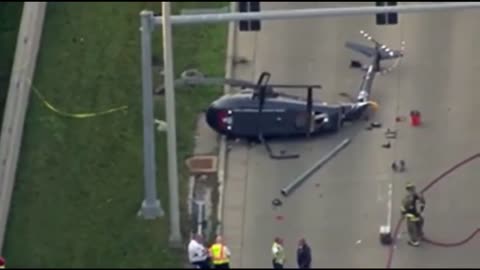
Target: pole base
{"x": 175, "y": 240}
{"x": 385, "y": 235}
{"x": 151, "y": 210}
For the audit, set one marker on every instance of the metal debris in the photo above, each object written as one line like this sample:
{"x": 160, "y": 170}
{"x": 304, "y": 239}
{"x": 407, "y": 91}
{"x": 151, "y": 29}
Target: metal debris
{"x": 300, "y": 179}
{"x": 400, "y": 167}
{"x": 277, "y": 202}
{"x": 391, "y": 134}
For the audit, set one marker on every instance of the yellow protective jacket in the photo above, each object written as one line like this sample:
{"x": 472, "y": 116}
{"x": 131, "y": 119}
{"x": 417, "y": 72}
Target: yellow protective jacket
{"x": 218, "y": 254}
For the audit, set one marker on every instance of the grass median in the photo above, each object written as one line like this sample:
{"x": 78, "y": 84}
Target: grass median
{"x": 80, "y": 181}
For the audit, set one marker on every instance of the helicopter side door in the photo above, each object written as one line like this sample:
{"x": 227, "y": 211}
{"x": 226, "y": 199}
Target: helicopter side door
{"x": 243, "y": 124}
{"x": 247, "y": 122}
{"x": 275, "y": 122}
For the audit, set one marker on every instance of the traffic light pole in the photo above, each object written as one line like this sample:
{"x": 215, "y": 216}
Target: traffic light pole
{"x": 151, "y": 207}
{"x": 175, "y": 235}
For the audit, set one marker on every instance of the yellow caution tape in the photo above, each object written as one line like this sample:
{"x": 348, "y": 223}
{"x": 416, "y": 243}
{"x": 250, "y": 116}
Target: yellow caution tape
{"x": 75, "y": 115}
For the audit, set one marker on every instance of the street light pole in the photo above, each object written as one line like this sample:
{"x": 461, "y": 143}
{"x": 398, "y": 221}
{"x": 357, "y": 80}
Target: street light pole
{"x": 151, "y": 207}
{"x": 175, "y": 235}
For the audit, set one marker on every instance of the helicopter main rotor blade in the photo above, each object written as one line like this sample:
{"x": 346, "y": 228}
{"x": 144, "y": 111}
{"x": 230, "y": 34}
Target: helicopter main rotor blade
{"x": 306, "y": 86}
{"x": 213, "y": 81}
{"x": 234, "y": 83}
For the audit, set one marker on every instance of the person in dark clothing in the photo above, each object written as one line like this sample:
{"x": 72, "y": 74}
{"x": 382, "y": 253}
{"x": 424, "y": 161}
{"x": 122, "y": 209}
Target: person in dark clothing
{"x": 304, "y": 255}
{"x": 413, "y": 215}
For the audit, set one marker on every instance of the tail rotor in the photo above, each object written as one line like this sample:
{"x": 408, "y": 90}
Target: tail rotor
{"x": 385, "y": 52}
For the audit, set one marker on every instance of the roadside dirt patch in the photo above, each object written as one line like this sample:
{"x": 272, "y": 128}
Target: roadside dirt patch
{"x": 202, "y": 164}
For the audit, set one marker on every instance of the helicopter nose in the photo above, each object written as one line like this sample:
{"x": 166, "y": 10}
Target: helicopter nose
{"x": 211, "y": 118}
{"x": 218, "y": 119}
{"x": 215, "y": 119}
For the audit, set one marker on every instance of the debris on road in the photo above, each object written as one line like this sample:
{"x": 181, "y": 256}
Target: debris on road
{"x": 391, "y": 134}
{"x": 277, "y": 202}
{"x": 376, "y": 125}
{"x": 299, "y": 180}
{"x": 400, "y": 167}
{"x": 387, "y": 145}
{"x": 400, "y": 119}
{"x": 240, "y": 61}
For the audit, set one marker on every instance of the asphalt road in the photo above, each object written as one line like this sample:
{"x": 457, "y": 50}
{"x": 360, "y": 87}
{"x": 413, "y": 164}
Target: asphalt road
{"x": 340, "y": 208}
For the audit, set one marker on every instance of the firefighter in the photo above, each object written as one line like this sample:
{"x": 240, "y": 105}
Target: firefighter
{"x": 414, "y": 217}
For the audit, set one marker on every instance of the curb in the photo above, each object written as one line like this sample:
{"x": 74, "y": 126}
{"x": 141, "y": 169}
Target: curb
{"x": 222, "y": 152}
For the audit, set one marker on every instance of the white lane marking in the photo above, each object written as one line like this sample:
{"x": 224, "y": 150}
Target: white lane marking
{"x": 389, "y": 206}
{"x": 379, "y": 192}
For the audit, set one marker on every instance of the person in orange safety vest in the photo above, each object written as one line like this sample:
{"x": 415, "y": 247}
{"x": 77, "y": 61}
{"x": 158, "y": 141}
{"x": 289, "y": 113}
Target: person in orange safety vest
{"x": 220, "y": 254}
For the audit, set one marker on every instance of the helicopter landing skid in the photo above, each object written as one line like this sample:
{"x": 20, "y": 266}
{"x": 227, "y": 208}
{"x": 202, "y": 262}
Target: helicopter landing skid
{"x": 274, "y": 156}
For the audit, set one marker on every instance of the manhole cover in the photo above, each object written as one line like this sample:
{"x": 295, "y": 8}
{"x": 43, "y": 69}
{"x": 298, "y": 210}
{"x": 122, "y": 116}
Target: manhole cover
{"x": 202, "y": 164}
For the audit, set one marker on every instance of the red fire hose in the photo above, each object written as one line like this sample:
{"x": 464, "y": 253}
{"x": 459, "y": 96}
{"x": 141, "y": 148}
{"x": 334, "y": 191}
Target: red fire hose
{"x": 436, "y": 243}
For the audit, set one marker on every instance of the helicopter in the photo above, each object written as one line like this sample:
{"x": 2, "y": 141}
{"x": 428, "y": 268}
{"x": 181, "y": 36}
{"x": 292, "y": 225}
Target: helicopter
{"x": 259, "y": 113}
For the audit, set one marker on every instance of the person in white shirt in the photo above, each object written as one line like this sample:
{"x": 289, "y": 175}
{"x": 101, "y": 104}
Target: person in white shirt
{"x": 197, "y": 253}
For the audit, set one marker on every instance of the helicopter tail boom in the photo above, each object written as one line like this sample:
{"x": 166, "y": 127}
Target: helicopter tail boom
{"x": 383, "y": 52}
{"x": 376, "y": 54}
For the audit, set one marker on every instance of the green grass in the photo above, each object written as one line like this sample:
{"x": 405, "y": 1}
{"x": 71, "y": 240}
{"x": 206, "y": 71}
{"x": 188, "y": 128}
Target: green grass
{"x": 10, "y": 13}
{"x": 80, "y": 181}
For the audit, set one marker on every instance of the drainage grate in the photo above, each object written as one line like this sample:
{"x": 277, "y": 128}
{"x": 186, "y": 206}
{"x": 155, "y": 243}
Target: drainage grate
{"x": 202, "y": 164}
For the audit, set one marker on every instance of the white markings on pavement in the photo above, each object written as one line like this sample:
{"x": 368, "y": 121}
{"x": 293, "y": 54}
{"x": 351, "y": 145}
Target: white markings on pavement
{"x": 389, "y": 206}
{"x": 379, "y": 192}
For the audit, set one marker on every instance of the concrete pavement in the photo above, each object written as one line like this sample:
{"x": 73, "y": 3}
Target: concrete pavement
{"x": 440, "y": 76}
{"x": 28, "y": 41}
{"x": 339, "y": 210}
{"x": 237, "y": 157}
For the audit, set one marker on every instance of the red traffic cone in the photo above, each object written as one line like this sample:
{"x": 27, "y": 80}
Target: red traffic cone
{"x": 415, "y": 118}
